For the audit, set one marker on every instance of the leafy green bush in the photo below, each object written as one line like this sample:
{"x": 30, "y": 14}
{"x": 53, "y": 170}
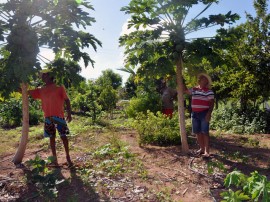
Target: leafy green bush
{"x": 157, "y": 129}
{"x": 143, "y": 104}
{"x": 11, "y": 113}
{"x": 233, "y": 119}
{"x": 255, "y": 187}
{"x": 35, "y": 113}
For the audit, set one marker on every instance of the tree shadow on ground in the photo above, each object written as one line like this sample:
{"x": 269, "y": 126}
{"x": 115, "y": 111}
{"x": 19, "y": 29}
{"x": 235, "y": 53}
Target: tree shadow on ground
{"x": 234, "y": 152}
{"x": 237, "y": 156}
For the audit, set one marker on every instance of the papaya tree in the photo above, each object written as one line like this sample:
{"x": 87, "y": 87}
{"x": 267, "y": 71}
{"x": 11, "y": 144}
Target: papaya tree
{"x": 158, "y": 37}
{"x": 28, "y": 25}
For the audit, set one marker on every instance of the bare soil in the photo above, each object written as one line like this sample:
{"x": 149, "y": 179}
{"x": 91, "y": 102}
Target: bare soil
{"x": 171, "y": 175}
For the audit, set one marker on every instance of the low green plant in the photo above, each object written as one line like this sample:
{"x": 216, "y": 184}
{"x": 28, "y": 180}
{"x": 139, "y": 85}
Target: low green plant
{"x": 44, "y": 179}
{"x": 157, "y": 129}
{"x": 164, "y": 195}
{"x": 255, "y": 187}
{"x": 236, "y": 156}
{"x": 114, "y": 157}
{"x": 232, "y": 196}
{"x": 212, "y": 165}
{"x": 235, "y": 120}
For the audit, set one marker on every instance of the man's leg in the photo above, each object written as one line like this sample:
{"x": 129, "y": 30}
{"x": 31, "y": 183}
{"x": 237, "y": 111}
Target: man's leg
{"x": 66, "y": 146}
{"x": 50, "y": 131}
{"x": 206, "y": 144}
{"x": 201, "y": 143}
{"x": 52, "y": 144}
{"x": 205, "y": 135}
{"x": 196, "y": 130}
{"x": 63, "y": 131}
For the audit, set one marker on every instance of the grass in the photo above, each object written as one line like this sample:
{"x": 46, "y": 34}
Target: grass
{"x": 9, "y": 138}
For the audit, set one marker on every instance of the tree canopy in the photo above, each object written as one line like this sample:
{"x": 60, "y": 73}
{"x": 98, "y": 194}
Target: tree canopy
{"x": 28, "y": 25}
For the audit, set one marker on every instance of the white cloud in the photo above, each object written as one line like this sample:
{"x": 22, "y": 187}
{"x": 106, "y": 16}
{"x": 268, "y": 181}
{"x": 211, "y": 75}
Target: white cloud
{"x": 125, "y": 29}
{"x": 46, "y": 56}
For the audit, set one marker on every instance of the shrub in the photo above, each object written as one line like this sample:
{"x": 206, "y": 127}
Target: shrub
{"x": 157, "y": 129}
{"x": 11, "y": 113}
{"x": 233, "y": 119}
{"x": 35, "y": 114}
{"x": 143, "y": 104}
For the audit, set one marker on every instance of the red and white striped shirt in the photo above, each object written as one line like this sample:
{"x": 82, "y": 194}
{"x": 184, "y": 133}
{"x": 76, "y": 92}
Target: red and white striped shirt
{"x": 201, "y": 98}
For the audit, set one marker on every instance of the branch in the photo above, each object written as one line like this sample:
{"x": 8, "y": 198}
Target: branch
{"x": 3, "y": 44}
{"x": 207, "y": 37}
{"x": 184, "y": 17}
{"x": 167, "y": 15}
{"x": 200, "y": 29}
{"x": 3, "y": 15}
{"x": 36, "y": 23}
{"x": 40, "y": 57}
{"x": 200, "y": 13}
{"x": 162, "y": 18}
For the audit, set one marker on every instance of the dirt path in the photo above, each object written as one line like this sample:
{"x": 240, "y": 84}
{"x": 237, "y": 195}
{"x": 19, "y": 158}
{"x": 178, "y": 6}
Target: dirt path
{"x": 169, "y": 169}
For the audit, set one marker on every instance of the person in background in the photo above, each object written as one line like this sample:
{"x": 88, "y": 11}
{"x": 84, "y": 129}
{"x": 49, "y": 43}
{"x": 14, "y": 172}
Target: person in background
{"x": 53, "y": 98}
{"x": 168, "y": 95}
{"x": 202, "y": 104}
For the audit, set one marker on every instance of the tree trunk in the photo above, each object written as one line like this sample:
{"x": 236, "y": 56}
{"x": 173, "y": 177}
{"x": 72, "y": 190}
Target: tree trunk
{"x": 25, "y": 127}
{"x": 181, "y": 108}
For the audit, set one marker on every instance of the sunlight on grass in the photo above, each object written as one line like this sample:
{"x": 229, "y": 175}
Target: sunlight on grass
{"x": 9, "y": 140}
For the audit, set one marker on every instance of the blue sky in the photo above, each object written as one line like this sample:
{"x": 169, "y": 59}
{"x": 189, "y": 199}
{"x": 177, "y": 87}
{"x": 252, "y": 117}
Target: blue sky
{"x": 110, "y": 24}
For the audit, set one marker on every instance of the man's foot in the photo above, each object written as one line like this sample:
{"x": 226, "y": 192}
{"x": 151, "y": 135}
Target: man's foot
{"x": 19, "y": 165}
{"x": 206, "y": 155}
{"x": 53, "y": 164}
{"x": 69, "y": 162}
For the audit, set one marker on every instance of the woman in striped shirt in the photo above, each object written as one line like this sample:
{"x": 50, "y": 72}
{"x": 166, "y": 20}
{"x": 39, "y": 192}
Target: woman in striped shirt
{"x": 202, "y": 106}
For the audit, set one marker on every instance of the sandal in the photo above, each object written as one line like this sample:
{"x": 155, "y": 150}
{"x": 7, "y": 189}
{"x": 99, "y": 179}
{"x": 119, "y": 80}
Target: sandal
{"x": 198, "y": 152}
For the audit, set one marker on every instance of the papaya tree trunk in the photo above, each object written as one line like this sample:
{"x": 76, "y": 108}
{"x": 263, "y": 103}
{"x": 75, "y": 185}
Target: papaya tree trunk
{"x": 181, "y": 108}
{"x": 25, "y": 126}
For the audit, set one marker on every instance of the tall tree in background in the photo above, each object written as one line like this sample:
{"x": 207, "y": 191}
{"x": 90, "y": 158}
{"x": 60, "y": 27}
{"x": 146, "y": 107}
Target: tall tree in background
{"x": 158, "y": 39}
{"x": 109, "y": 78}
{"x": 27, "y": 25}
{"x": 245, "y": 52}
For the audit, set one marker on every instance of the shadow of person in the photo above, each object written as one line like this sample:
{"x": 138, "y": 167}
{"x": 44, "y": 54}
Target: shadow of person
{"x": 75, "y": 189}
{"x": 62, "y": 188}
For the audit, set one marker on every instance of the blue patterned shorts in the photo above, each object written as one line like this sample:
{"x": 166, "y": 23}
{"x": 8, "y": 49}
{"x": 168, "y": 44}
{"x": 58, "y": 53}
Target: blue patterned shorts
{"x": 52, "y": 123}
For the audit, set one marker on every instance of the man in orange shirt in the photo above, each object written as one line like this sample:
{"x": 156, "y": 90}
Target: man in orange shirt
{"x": 53, "y": 99}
